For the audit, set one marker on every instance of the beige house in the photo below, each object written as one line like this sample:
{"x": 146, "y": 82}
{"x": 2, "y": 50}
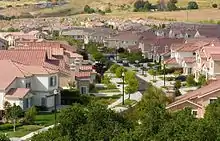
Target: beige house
{"x": 198, "y": 99}
{"x": 208, "y": 62}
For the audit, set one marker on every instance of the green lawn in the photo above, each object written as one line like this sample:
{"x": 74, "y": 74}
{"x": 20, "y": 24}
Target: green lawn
{"x": 22, "y": 130}
{"x": 108, "y": 90}
{"x": 128, "y": 102}
{"x": 107, "y": 100}
{"x": 42, "y": 120}
{"x": 45, "y": 119}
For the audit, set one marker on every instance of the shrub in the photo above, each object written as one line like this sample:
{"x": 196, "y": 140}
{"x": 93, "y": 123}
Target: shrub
{"x": 4, "y": 137}
{"x": 8, "y": 126}
{"x": 190, "y": 81}
{"x": 202, "y": 80}
{"x": 214, "y": 5}
{"x": 9, "y": 6}
{"x": 177, "y": 84}
{"x": 193, "y": 5}
{"x": 171, "y": 6}
{"x": 30, "y": 115}
{"x": 41, "y": 108}
{"x": 177, "y": 93}
{"x": 119, "y": 71}
{"x": 113, "y": 68}
{"x": 111, "y": 86}
{"x": 152, "y": 72}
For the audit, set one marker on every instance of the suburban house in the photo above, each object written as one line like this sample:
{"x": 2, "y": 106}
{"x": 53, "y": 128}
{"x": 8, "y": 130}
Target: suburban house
{"x": 72, "y": 62}
{"x": 208, "y": 62}
{"x": 84, "y": 78}
{"x": 156, "y": 47}
{"x": 3, "y": 44}
{"x": 26, "y": 85}
{"x": 197, "y": 100}
{"x": 184, "y": 55}
{"x": 122, "y": 40}
{"x": 11, "y": 37}
{"x": 101, "y": 34}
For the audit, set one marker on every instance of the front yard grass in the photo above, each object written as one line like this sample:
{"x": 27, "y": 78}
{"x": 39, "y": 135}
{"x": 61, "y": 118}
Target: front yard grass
{"x": 107, "y": 100}
{"x": 108, "y": 90}
{"x": 128, "y": 102}
{"x": 42, "y": 120}
{"x": 22, "y": 130}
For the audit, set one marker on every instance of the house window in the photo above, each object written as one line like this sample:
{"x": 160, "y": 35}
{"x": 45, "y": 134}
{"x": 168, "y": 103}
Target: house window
{"x": 83, "y": 90}
{"x": 28, "y": 85}
{"x": 189, "y": 70}
{"x": 53, "y": 81}
{"x": 212, "y": 100}
{"x": 194, "y": 112}
{"x": 43, "y": 101}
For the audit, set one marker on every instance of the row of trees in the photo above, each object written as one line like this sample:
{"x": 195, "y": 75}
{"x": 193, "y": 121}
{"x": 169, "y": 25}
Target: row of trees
{"x": 148, "y": 120}
{"x": 89, "y": 10}
{"x": 141, "y": 6}
{"x": 129, "y": 76}
{"x": 14, "y": 113}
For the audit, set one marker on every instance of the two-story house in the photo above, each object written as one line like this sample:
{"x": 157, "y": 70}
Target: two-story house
{"x": 122, "y": 40}
{"x": 208, "y": 62}
{"x": 197, "y": 100}
{"x": 27, "y": 85}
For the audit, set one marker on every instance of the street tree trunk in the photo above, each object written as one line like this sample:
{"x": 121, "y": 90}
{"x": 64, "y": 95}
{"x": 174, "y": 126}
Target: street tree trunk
{"x": 14, "y": 124}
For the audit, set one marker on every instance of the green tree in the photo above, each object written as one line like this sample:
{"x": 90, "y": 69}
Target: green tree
{"x": 4, "y": 137}
{"x": 190, "y": 81}
{"x": 171, "y": 5}
{"x": 71, "y": 119}
{"x": 192, "y": 5}
{"x": 177, "y": 84}
{"x": 152, "y": 114}
{"x": 119, "y": 71}
{"x": 129, "y": 75}
{"x": 113, "y": 68}
{"x": 132, "y": 86}
{"x": 98, "y": 56}
{"x": 104, "y": 125}
{"x": 30, "y": 115}
{"x": 177, "y": 126}
{"x": 139, "y": 4}
{"x": 202, "y": 80}
{"x": 147, "y": 6}
{"x": 50, "y": 135}
{"x": 15, "y": 112}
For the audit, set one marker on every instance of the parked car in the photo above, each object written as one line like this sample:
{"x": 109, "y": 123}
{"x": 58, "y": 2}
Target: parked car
{"x": 181, "y": 78}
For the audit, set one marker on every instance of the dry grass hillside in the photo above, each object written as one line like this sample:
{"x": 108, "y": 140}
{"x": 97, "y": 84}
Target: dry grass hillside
{"x": 206, "y": 12}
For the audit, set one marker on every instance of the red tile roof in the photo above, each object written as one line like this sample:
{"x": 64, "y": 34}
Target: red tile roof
{"x": 14, "y": 70}
{"x": 85, "y": 68}
{"x": 82, "y": 74}
{"x": 171, "y": 61}
{"x": 34, "y": 58}
{"x": 189, "y": 59}
{"x": 17, "y": 93}
{"x": 205, "y": 90}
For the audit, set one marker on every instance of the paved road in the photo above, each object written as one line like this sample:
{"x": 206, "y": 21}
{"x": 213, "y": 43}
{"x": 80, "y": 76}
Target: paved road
{"x": 142, "y": 85}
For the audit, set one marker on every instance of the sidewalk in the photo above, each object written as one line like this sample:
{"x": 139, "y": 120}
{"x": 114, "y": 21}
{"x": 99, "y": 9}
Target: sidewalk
{"x": 28, "y": 136}
{"x": 135, "y": 96}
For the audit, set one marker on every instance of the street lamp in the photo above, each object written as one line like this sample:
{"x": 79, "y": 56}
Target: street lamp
{"x": 164, "y": 71}
{"x": 123, "y": 88}
{"x": 55, "y": 92}
{"x": 116, "y": 53}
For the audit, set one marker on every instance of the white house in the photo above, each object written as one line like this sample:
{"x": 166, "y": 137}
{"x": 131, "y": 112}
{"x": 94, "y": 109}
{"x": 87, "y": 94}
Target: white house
{"x": 26, "y": 85}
